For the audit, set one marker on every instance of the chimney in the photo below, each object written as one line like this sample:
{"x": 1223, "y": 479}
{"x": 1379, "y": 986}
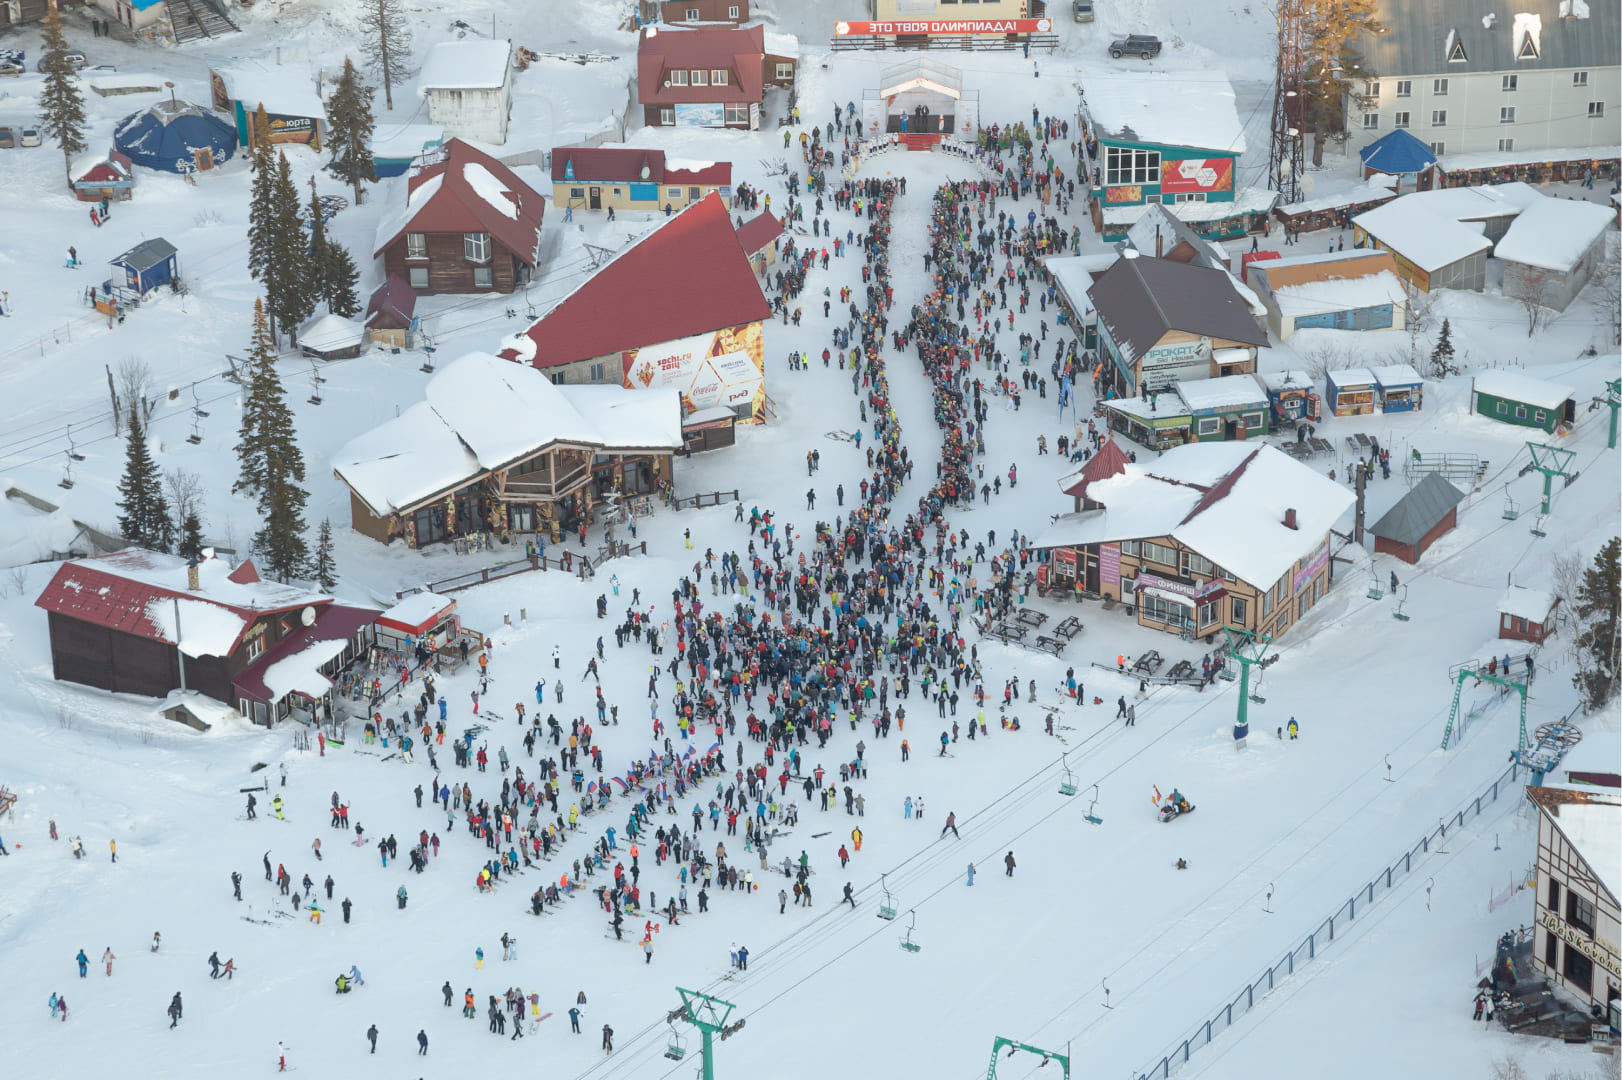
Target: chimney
{"x": 1160, "y": 245}
{"x": 192, "y": 584}
{"x": 1289, "y": 519}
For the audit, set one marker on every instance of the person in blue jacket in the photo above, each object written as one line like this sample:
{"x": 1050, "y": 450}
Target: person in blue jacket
{"x": 84, "y": 963}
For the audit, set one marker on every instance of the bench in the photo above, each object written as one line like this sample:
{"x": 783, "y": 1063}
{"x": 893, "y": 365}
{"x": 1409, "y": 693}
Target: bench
{"x": 1183, "y": 669}
{"x": 1321, "y": 446}
{"x": 1068, "y": 628}
{"x": 1049, "y": 644}
{"x": 1148, "y": 663}
{"x": 1031, "y": 617}
{"x": 1007, "y": 632}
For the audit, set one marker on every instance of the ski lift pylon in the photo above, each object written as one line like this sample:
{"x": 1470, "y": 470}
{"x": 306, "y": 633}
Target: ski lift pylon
{"x": 887, "y": 905}
{"x": 907, "y": 943}
{"x": 1067, "y": 786}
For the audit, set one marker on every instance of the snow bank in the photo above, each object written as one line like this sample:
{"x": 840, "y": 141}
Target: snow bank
{"x": 205, "y": 629}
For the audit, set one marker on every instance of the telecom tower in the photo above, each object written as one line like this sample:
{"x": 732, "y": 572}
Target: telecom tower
{"x": 1286, "y": 157}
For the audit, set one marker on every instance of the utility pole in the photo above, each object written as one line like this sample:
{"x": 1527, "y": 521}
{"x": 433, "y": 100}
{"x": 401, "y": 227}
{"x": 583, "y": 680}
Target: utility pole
{"x": 1360, "y": 478}
{"x": 1014, "y": 1046}
{"x": 1238, "y": 641}
{"x": 180, "y": 654}
{"x": 708, "y": 1014}
{"x": 1286, "y": 156}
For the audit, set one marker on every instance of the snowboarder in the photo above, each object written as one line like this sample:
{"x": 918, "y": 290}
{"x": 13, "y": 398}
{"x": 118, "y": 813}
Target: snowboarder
{"x": 951, "y": 824}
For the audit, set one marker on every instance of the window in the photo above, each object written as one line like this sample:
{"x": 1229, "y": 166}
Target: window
{"x": 1456, "y": 55}
{"x": 785, "y": 72}
{"x": 1529, "y": 48}
{"x": 678, "y": 77}
{"x": 1208, "y": 613}
{"x": 419, "y": 277}
{"x": 1405, "y": 88}
{"x": 1438, "y": 118}
{"x": 1129, "y": 547}
{"x": 577, "y": 193}
{"x": 1506, "y": 114}
{"x": 1596, "y": 109}
{"x": 1520, "y": 412}
{"x": 595, "y": 373}
{"x": 1438, "y": 148}
{"x": 1267, "y": 604}
{"x": 416, "y": 245}
{"x": 1503, "y": 409}
{"x": 1124, "y": 165}
{"x": 482, "y": 278}
{"x": 1240, "y": 608}
{"x": 1579, "y": 913}
{"x": 692, "y": 14}
{"x": 1209, "y": 425}
{"x": 1510, "y": 83}
{"x": 1399, "y": 120}
{"x": 1538, "y": 417}
{"x": 1551, "y": 950}
{"x": 1159, "y": 553}
{"x": 718, "y": 76}
{"x": 1371, "y": 89}
{"x": 736, "y": 114}
{"x": 1579, "y": 78}
{"x": 732, "y": 12}
{"x": 256, "y": 647}
{"x": 701, "y": 77}
{"x": 1506, "y": 144}
{"x": 673, "y": 193}
{"x": 667, "y": 115}
{"x": 476, "y": 246}
{"x": 1154, "y": 608}
{"x": 1196, "y": 565}
{"x": 1371, "y": 121}
{"x": 1439, "y": 87}
{"x": 1253, "y": 421}
{"x": 1579, "y": 970}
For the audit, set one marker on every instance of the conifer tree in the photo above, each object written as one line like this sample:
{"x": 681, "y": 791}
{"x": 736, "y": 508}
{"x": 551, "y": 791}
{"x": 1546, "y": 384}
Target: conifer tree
{"x": 1598, "y": 648}
{"x": 263, "y": 383}
{"x": 1442, "y": 355}
{"x": 272, "y": 466}
{"x": 386, "y": 41}
{"x": 262, "y": 200}
{"x": 288, "y": 280}
{"x": 1337, "y": 76}
{"x": 324, "y": 569}
{"x": 338, "y": 278}
{"x": 144, "y": 520}
{"x": 191, "y": 537}
{"x": 349, "y": 129}
{"x": 280, "y": 541}
{"x": 61, "y": 103}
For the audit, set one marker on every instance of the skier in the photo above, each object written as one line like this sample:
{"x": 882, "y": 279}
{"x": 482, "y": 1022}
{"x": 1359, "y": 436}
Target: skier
{"x": 608, "y": 1039}
{"x": 951, "y": 823}
{"x": 107, "y": 957}
{"x": 371, "y": 1034}
{"x": 281, "y": 1057}
{"x": 1008, "y": 861}
{"x": 175, "y": 1009}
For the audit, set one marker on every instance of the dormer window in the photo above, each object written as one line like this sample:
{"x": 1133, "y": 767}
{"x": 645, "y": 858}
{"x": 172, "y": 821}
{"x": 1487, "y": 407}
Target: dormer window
{"x": 701, "y": 77}
{"x": 1455, "y": 54}
{"x": 1529, "y": 49}
{"x": 678, "y": 77}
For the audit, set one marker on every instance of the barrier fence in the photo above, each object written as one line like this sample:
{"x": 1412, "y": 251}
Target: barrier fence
{"x": 1324, "y": 935}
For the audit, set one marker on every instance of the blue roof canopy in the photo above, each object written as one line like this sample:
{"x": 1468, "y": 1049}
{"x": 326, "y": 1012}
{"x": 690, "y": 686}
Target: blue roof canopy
{"x": 1397, "y": 153}
{"x": 166, "y": 136}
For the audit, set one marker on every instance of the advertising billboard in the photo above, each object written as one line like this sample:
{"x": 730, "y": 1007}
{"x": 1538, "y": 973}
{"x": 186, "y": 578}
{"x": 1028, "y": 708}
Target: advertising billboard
{"x": 943, "y": 26}
{"x": 722, "y": 367}
{"x": 1166, "y": 365}
{"x": 1197, "y": 174}
{"x": 699, "y": 114}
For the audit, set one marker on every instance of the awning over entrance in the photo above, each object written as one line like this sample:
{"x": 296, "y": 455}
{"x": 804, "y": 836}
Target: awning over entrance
{"x": 921, "y": 73}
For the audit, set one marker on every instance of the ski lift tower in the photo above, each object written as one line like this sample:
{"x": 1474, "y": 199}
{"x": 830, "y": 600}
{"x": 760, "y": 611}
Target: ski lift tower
{"x": 1238, "y": 642}
{"x": 708, "y": 1014}
{"x": 1015, "y": 1046}
{"x": 1498, "y": 680}
{"x": 1613, "y": 398}
{"x": 1551, "y": 461}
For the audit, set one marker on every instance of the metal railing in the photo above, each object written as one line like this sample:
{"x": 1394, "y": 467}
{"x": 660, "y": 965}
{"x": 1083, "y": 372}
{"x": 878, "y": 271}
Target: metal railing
{"x": 1320, "y": 938}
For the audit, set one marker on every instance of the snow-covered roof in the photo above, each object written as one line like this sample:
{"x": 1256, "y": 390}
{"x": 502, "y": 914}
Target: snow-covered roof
{"x": 1376, "y": 188}
{"x": 484, "y": 414}
{"x": 1287, "y": 380}
{"x": 465, "y": 65}
{"x": 407, "y": 202}
{"x": 204, "y": 629}
{"x": 1477, "y": 203}
{"x": 488, "y": 188}
{"x": 1074, "y": 275}
{"x": 1590, "y": 818}
{"x": 1554, "y": 234}
{"x": 286, "y": 90}
{"x": 1224, "y": 500}
{"x": 1599, "y": 752}
{"x": 1225, "y": 392}
{"x": 199, "y": 705}
{"x": 1182, "y": 108}
{"x": 921, "y": 73}
{"x": 418, "y": 609}
{"x": 330, "y": 332}
{"x": 1340, "y": 294}
{"x": 1532, "y": 605}
{"x": 1396, "y": 375}
{"x": 300, "y": 672}
{"x": 1425, "y": 238}
{"x": 1514, "y": 386}
{"x": 1493, "y": 160}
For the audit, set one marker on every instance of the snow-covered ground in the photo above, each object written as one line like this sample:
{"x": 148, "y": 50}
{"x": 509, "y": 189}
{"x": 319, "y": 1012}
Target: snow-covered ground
{"x": 1028, "y": 957}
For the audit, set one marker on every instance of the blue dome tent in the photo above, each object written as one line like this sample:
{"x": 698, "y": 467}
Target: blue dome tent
{"x": 175, "y": 136}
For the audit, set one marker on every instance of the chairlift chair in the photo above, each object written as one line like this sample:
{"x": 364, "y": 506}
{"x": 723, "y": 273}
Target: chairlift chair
{"x": 676, "y": 1049}
{"x": 1399, "y": 614}
{"x": 887, "y": 905}
{"x": 1511, "y": 511}
{"x": 73, "y": 448}
{"x": 1537, "y": 529}
{"x": 1375, "y": 592}
{"x": 67, "y": 473}
{"x": 1090, "y": 815}
{"x": 428, "y": 363}
{"x": 907, "y": 943}
{"x": 1067, "y": 786}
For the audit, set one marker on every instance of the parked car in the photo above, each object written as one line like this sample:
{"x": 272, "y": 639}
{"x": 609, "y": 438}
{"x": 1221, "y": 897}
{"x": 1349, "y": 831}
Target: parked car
{"x": 29, "y": 136}
{"x": 1084, "y": 10}
{"x": 11, "y": 68}
{"x": 1143, "y": 46}
{"x": 7, "y": 139}
{"x": 76, "y": 60}
{"x": 13, "y": 54}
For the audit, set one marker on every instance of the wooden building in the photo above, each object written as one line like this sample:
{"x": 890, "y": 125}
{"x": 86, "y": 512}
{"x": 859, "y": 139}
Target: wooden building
{"x": 706, "y": 77}
{"x": 469, "y": 87}
{"x": 144, "y": 622}
{"x": 498, "y": 448}
{"x": 704, "y": 11}
{"x": 1512, "y": 398}
{"x": 1526, "y": 614}
{"x": 1339, "y": 290}
{"x": 464, "y": 224}
{"x": 1420, "y": 518}
{"x": 1202, "y": 536}
{"x": 1579, "y": 879}
{"x": 631, "y": 178}
{"x": 1398, "y": 388}
{"x": 1349, "y": 391}
{"x": 103, "y": 179}
{"x": 332, "y": 337}
{"x": 1194, "y": 410}
{"x": 1553, "y": 249}
{"x": 759, "y": 237}
{"x": 390, "y": 313}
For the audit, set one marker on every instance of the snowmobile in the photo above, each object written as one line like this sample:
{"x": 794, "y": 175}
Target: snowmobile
{"x": 1175, "y": 806}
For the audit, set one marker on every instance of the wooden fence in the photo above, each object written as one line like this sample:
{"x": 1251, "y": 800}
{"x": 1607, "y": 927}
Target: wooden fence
{"x": 580, "y": 565}
{"x": 714, "y": 498}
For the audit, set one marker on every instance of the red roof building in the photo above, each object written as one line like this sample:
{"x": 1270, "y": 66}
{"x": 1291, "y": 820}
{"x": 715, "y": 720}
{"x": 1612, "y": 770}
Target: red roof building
{"x": 1106, "y": 462}
{"x": 128, "y": 621}
{"x": 389, "y": 312}
{"x": 464, "y": 224}
{"x": 706, "y": 76}
{"x": 628, "y": 178}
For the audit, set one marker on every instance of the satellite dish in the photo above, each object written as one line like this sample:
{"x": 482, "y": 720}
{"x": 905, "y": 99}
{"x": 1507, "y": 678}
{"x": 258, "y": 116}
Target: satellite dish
{"x": 307, "y": 616}
{"x": 1308, "y": 184}
{"x": 645, "y": 172}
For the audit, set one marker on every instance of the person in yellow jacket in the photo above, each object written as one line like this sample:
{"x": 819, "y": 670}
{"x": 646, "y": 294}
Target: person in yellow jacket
{"x": 856, "y": 838}
{"x": 574, "y": 817}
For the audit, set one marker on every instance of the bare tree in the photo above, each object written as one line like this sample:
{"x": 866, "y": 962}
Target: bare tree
{"x": 1322, "y": 359}
{"x": 185, "y": 493}
{"x": 134, "y": 376}
{"x": 1566, "y": 573}
{"x": 385, "y": 38}
{"x": 1418, "y": 304}
{"x": 1608, "y": 283}
{"x": 1531, "y": 291}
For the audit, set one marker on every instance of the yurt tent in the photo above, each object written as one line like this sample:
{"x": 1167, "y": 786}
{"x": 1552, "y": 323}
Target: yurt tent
{"x": 175, "y": 136}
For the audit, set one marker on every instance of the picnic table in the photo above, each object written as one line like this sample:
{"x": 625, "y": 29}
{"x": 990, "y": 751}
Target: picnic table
{"x": 1148, "y": 663}
{"x": 1183, "y": 669}
{"x": 1068, "y": 627}
{"x": 1321, "y": 446}
{"x": 1049, "y": 644}
{"x": 1007, "y": 631}
{"x": 1031, "y": 617}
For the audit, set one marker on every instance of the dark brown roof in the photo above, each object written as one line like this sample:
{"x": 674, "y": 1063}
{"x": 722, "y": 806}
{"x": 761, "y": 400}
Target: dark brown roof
{"x": 739, "y": 49}
{"x": 455, "y": 206}
{"x": 394, "y": 298}
{"x": 1139, "y": 300}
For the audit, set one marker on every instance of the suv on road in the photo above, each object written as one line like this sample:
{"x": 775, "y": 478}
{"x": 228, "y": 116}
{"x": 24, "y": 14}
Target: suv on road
{"x": 1143, "y": 46}
{"x": 1084, "y": 10}
{"x": 76, "y": 60}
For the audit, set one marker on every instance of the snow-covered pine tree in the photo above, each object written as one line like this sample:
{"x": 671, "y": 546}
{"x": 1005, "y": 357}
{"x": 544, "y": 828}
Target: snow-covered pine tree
{"x": 263, "y": 383}
{"x": 1599, "y": 641}
{"x": 338, "y": 278}
{"x": 1442, "y": 356}
{"x": 317, "y": 259}
{"x": 191, "y": 537}
{"x": 61, "y": 104}
{"x": 290, "y": 292}
{"x": 144, "y": 518}
{"x": 261, "y": 201}
{"x": 283, "y": 554}
{"x": 1334, "y": 30}
{"x": 386, "y": 41}
{"x": 349, "y": 129}
{"x": 325, "y": 568}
